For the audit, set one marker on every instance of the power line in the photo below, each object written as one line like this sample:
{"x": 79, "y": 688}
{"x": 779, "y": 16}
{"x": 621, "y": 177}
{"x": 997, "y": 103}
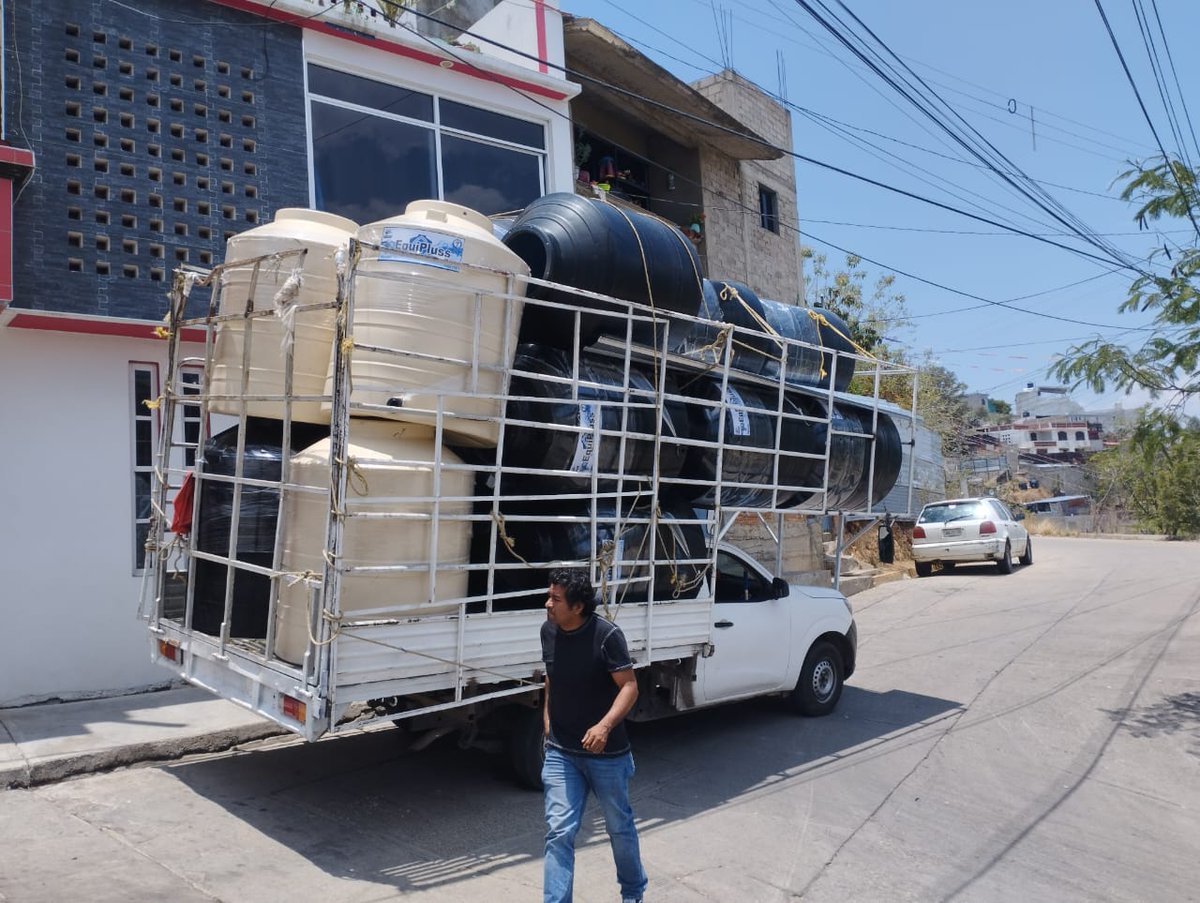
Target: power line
{"x": 746, "y": 207}
{"x": 973, "y": 142}
{"x": 1146, "y": 114}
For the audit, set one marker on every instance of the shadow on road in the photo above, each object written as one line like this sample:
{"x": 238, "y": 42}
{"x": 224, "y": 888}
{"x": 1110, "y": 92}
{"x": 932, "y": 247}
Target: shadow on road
{"x": 358, "y": 807}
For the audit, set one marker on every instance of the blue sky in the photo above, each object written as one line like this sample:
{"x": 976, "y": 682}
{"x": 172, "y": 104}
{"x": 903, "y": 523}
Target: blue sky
{"x": 1051, "y": 62}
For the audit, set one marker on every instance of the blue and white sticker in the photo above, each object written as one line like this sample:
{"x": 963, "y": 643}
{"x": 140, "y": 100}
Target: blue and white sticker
{"x": 422, "y": 247}
{"x": 739, "y": 417}
{"x": 585, "y": 449}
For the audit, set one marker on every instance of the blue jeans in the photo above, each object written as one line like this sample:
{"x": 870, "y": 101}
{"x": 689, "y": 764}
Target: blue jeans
{"x": 568, "y": 779}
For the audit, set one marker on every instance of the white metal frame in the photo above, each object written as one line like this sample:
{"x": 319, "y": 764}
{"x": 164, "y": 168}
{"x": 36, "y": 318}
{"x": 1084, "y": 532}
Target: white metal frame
{"x": 445, "y": 661}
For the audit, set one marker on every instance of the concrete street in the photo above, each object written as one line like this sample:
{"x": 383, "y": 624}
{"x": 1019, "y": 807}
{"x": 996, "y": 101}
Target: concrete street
{"x": 1031, "y": 737}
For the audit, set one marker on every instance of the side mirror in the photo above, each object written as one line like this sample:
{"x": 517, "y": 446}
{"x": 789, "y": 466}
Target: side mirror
{"x": 780, "y": 588}
{"x": 1018, "y": 515}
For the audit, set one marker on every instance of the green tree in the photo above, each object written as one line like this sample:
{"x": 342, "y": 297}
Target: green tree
{"x": 942, "y": 405}
{"x": 873, "y": 315}
{"x": 1166, "y": 361}
{"x": 1154, "y": 474}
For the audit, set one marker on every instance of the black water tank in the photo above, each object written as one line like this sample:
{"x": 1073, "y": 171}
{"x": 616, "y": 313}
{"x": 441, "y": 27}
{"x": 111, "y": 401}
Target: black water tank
{"x": 541, "y": 395}
{"x": 751, "y": 422}
{"x": 546, "y": 532}
{"x": 764, "y": 356}
{"x": 848, "y": 457}
{"x": 599, "y": 247}
{"x": 257, "y": 522}
{"x": 702, "y": 337}
{"x": 834, "y": 335}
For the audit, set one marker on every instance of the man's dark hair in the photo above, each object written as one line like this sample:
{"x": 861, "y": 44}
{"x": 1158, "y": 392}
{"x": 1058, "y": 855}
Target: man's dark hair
{"x": 576, "y": 586}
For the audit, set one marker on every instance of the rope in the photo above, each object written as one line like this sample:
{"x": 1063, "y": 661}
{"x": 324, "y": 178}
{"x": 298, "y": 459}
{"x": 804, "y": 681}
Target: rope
{"x": 510, "y": 544}
{"x": 823, "y": 321}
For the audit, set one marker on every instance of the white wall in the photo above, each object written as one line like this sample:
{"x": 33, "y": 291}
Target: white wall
{"x": 70, "y": 598}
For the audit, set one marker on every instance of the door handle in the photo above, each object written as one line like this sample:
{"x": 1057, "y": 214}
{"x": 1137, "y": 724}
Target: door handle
{"x": 723, "y": 624}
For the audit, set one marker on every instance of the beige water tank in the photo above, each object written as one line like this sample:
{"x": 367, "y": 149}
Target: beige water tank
{"x": 323, "y": 235}
{"x": 391, "y": 471}
{"x": 417, "y": 294}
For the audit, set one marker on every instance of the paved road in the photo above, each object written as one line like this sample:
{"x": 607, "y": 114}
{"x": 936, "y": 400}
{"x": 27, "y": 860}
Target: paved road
{"x": 1032, "y": 737}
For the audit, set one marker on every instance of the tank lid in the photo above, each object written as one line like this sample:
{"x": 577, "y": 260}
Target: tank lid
{"x": 316, "y": 216}
{"x": 444, "y": 211}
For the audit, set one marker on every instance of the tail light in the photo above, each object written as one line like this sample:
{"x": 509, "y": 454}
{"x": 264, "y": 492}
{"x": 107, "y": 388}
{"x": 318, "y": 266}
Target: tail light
{"x": 293, "y": 708}
{"x": 918, "y": 532}
{"x": 987, "y": 527}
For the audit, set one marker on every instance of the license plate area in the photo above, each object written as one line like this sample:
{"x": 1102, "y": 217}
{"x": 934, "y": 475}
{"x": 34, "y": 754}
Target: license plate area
{"x": 952, "y": 531}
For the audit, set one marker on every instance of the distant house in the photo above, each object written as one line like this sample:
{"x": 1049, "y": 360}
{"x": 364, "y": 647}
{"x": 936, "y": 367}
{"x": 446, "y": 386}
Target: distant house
{"x": 1061, "y": 506}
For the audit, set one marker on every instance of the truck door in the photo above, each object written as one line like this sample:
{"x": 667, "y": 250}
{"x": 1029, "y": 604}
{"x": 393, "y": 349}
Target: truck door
{"x": 751, "y": 633}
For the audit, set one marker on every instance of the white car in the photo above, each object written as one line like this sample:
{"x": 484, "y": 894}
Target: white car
{"x": 958, "y": 530}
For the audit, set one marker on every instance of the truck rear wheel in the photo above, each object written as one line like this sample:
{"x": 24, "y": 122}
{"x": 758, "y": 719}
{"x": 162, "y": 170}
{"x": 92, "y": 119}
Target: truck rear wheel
{"x": 820, "y": 685}
{"x": 527, "y": 746}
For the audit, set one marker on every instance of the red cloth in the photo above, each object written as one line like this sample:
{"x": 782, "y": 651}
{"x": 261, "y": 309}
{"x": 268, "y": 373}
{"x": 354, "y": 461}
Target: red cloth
{"x": 181, "y": 523}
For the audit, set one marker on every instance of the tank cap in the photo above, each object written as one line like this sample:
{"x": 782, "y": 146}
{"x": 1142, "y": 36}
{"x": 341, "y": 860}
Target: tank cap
{"x": 444, "y": 211}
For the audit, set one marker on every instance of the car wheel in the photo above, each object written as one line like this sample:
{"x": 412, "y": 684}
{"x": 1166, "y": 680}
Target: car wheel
{"x": 527, "y": 746}
{"x": 924, "y": 568}
{"x": 1004, "y": 564}
{"x": 1027, "y": 555}
{"x": 820, "y": 685}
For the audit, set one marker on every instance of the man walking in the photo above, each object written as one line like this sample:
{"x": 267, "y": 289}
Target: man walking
{"x": 590, "y": 688}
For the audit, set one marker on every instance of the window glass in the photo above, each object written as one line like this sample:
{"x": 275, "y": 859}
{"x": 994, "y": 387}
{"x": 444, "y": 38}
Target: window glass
{"x": 1001, "y": 511}
{"x": 367, "y": 168}
{"x": 493, "y": 125}
{"x": 1062, "y": 435}
{"x": 141, "y": 392}
{"x": 1079, "y": 437}
{"x": 939, "y": 514}
{"x": 488, "y": 178}
{"x": 143, "y": 443}
{"x": 738, "y": 583}
{"x": 369, "y": 93}
{"x": 768, "y": 209}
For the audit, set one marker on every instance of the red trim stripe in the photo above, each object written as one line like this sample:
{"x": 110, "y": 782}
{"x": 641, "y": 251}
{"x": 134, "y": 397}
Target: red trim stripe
{"x": 16, "y": 156}
{"x": 539, "y": 13}
{"x": 130, "y": 329}
{"x": 399, "y": 49}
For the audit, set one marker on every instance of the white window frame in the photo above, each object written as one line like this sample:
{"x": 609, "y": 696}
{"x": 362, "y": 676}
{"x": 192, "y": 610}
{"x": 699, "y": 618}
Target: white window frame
{"x": 438, "y": 95}
{"x": 149, "y": 416}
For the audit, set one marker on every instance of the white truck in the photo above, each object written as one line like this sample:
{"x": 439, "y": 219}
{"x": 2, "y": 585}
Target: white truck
{"x": 421, "y": 605}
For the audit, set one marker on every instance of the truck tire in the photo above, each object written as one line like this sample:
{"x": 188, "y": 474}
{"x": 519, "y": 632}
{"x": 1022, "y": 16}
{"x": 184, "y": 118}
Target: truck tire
{"x": 526, "y": 746}
{"x": 820, "y": 685}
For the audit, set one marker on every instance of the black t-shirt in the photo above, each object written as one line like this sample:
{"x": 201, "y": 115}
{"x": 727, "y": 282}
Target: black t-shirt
{"x": 579, "y": 664}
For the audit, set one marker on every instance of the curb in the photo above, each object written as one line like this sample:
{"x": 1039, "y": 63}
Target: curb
{"x": 52, "y": 769}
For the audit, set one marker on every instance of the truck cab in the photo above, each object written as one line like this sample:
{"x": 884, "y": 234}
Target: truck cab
{"x": 769, "y": 637}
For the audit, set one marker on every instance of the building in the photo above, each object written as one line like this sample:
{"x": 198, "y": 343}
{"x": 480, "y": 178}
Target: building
{"x": 1045, "y": 401}
{"x": 1063, "y": 439}
{"x": 139, "y": 137}
{"x": 704, "y": 156}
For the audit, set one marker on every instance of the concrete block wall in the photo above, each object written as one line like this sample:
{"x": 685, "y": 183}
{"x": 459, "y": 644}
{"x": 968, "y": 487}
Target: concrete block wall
{"x": 159, "y": 130}
{"x": 739, "y": 247}
{"x": 803, "y": 552}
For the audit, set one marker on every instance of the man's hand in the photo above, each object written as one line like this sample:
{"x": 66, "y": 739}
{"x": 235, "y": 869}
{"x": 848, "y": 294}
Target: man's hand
{"x": 596, "y": 738}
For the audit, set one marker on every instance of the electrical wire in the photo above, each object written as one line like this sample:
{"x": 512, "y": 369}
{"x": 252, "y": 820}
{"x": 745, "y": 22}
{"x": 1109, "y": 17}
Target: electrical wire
{"x": 1146, "y": 113}
{"x": 911, "y": 87}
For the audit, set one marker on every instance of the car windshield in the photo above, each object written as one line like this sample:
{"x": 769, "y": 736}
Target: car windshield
{"x": 940, "y": 514}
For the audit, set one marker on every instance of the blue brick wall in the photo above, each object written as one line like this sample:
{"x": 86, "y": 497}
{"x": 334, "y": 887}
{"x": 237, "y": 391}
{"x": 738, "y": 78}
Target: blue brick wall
{"x": 160, "y": 129}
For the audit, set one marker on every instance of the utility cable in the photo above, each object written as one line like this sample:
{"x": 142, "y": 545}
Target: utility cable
{"x": 1146, "y": 113}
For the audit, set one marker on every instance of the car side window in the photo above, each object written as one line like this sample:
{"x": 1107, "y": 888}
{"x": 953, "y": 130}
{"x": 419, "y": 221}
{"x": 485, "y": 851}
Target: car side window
{"x": 1001, "y": 511}
{"x": 737, "y": 582}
